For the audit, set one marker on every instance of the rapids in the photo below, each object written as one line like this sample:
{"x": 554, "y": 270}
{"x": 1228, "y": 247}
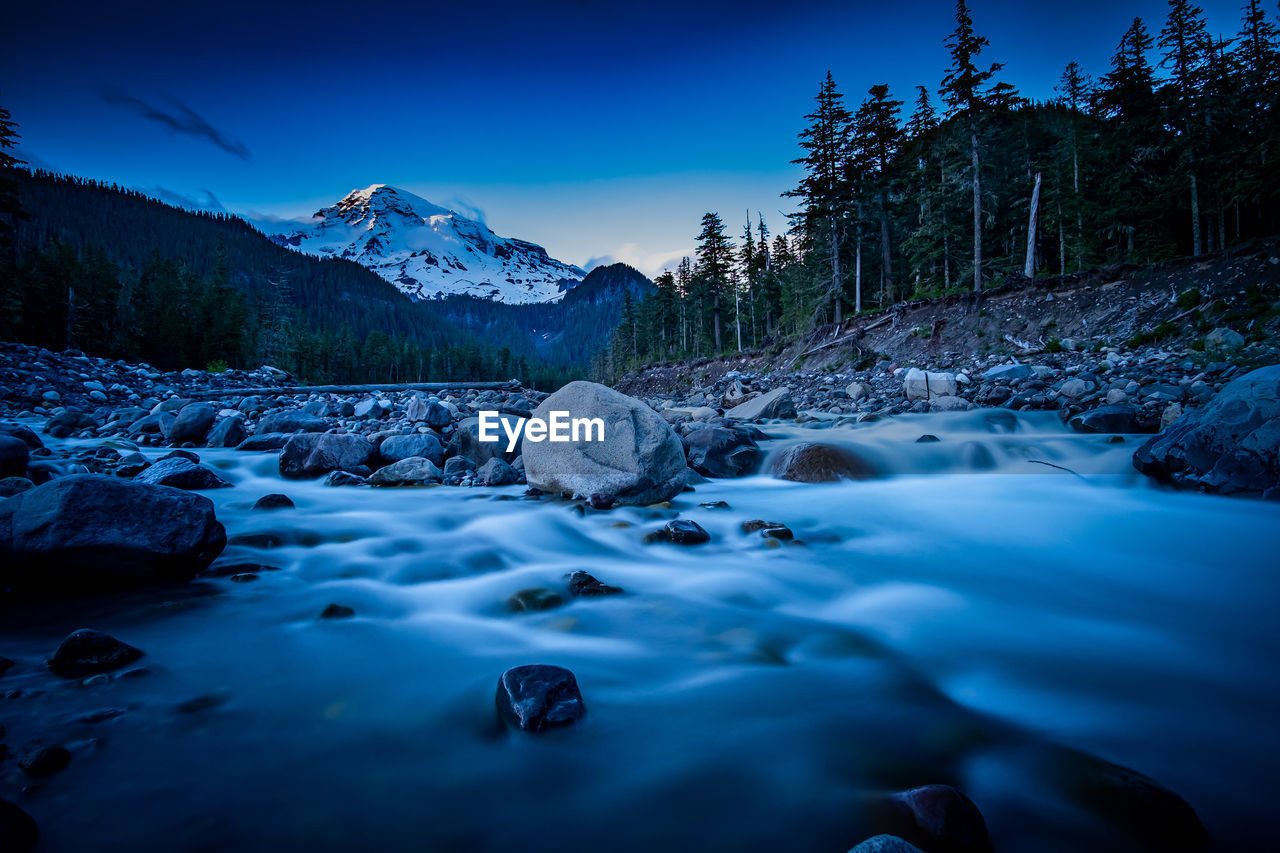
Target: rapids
{"x": 740, "y": 696}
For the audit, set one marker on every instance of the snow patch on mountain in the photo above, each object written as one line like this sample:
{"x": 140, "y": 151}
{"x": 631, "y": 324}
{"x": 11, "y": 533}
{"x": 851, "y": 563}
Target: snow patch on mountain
{"x": 429, "y": 251}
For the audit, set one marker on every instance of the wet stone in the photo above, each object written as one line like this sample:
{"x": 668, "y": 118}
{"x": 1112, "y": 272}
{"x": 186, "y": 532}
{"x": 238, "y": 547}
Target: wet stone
{"x": 537, "y": 698}
{"x": 44, "y": 761}
{"x": 538, "y": 598}
{"x": 88, "y": 652}
{"x": 682, "y": 531}
{"x": 585, "y": 585}
{"x": 337, "y": 611}
{"x": 274, "y": 501}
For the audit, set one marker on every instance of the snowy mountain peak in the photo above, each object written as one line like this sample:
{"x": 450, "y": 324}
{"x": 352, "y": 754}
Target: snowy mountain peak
{"x": 429, "y": 251}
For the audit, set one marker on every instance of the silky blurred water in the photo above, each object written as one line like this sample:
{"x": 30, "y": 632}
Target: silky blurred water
{"x": 740, "y": 696}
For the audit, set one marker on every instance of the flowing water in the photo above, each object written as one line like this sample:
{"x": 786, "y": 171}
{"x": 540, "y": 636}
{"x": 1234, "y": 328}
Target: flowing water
{"x": 743, "y": 697}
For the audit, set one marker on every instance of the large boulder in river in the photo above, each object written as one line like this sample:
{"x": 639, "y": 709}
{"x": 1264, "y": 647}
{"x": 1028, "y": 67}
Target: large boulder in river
{"x": 924, "y": 384}
{"x": 228, "y": 432}
{"x": 1121, "y": 417}
{"x": 193, "y": 424}
{"x": 810, "y": 462}
{"x": 104, "y": 531}
{"x": 1231, "y": 445}
{"x": 722, "y": 452}
{"x": 774, "y": 404}
{"x": 312, "y": 454}
{"x": 640, "y": 460}
{"x": 397, "y": 447}
{"x": 182, "y": 474}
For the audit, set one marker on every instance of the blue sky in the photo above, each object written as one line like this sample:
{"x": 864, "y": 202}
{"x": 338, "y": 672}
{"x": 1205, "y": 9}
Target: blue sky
{"x": 598, "y": 130}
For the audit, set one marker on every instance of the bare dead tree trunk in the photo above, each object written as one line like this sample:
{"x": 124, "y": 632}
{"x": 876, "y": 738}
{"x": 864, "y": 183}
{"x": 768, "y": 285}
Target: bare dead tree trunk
{"x": 1195, "y": 217}
{"x": 977, "y": 211}
{"x": 1029, "y": 268}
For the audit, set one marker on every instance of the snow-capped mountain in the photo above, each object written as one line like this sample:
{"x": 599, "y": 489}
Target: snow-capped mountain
{"x": 430, "y": 251}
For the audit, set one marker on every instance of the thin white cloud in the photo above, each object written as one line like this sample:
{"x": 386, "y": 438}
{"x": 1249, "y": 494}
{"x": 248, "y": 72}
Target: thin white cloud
{"x": 647, "y": 261}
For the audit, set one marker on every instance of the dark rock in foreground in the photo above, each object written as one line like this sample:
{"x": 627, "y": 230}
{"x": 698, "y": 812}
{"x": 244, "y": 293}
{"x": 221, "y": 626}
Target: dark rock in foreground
{"x": 886, "y": 844}
{"x": 103, "y": 531}
{"x": 1231, "y": 445}
{"x": 538, "y": 697}
{"x": 18, "y": 831}
{"x": 935, "y": 817}
{"x": 88, "y": 652}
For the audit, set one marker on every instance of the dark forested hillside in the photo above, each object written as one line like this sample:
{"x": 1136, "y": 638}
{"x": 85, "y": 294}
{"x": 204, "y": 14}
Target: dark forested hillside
{"x": 1171, "y": 151}
{"x": 569, "y": 332}
{"x": 110, "y": 271}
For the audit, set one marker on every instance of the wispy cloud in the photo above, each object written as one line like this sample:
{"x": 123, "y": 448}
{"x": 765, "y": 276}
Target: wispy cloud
{"x": 209, "y": 202}
{"x": 648, "y": 262}
{"x": 466, "y": 208}
{"x": 178, "y": 118}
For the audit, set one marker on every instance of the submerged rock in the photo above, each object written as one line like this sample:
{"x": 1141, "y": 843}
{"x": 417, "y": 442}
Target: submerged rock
{"x": 337, "y": 611}
{"x": 88, "y": 652}
{"x": 1231, "y": 445}
{"x": 810, "y": 462}
{"x": 640, "y": 460}
{"x": 585, "y": 585}
{"x": 537, "y": 697}
{"x": 274, "y": 501}
{"x": 104, "y": 531}
{"x": 538, "y": 598}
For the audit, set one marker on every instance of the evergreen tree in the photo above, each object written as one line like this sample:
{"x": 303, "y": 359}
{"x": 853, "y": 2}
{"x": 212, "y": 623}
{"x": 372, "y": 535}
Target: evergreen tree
{"x": 963, "y": 90}
{"x": 715, "y": 268}
{"x": 824, "y": 192}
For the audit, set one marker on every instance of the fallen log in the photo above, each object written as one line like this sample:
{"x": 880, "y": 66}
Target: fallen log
{"x": 294, "y": 390}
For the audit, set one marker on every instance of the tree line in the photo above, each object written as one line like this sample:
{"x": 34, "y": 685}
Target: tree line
{"x": 1173, "y": 150}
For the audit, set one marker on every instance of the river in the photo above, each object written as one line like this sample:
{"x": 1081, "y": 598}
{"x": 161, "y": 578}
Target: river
{"x": 932, "y": 624}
